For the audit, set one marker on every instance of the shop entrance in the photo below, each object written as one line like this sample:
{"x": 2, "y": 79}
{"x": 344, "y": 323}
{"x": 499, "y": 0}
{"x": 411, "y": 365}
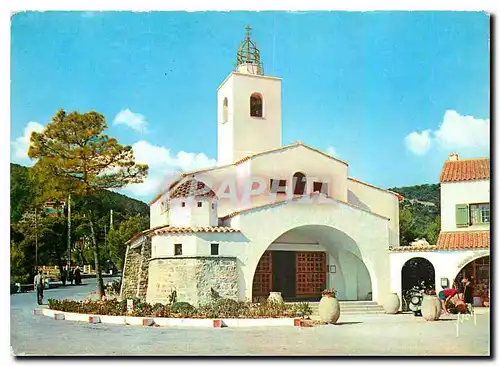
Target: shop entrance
{"x": 478, "y": 273}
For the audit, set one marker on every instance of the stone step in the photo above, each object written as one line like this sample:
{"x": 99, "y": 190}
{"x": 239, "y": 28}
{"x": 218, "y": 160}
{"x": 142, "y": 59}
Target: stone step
{"x": 353, "y": 307}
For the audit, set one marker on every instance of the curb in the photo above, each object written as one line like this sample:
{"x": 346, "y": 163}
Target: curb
{"x": 170, "y": 322}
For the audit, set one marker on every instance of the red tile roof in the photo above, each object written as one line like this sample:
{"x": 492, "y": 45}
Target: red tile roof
{"x": 192, "y": 188}
{"x": 184, "y": 230}
{"x": 464, "y": 240}
{"x": 456, "y": 240}
{"x": 465, "y": 170}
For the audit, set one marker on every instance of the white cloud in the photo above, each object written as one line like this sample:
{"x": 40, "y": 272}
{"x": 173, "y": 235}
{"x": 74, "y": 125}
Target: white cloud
{"x": 135, "y": 121}
{"x": 331, "y": 150}
{"x": 457, "y": 131}
{"x": 19, "y": 147}
{"x": 418, "y": 143}
{"x": 163, "y": 167}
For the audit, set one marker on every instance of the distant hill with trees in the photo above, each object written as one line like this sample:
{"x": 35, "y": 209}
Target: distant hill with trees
{"x": 419, "y": 213}
{"x": 129, "y": 216}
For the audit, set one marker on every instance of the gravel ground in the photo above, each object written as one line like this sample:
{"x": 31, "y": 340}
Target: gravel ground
{"x": 401, "y": 334}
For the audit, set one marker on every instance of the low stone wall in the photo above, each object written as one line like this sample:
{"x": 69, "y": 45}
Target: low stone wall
{"x": 135, "y": 273}
{"x": 192, "y": 278}
{"x": 142, "y": 278}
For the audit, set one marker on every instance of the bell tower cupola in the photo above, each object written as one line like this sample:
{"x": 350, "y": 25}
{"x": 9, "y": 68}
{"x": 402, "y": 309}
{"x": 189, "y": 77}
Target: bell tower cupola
{"x": 249, "y": 107}
{"x": 248, "y": 56}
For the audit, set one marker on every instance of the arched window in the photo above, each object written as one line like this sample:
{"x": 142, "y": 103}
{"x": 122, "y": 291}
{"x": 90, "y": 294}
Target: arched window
{"x": 299, "y": 183}
{"x": 256, "y": 105}
{"x": 224, "y": 110}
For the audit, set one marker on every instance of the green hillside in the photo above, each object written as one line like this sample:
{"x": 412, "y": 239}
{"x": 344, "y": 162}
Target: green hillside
{"x": 22, "y": 193}
{"x": 419, "y": 212}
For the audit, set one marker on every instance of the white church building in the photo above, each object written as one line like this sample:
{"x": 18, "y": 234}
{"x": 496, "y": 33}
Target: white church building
{"x": 268, "y": 217}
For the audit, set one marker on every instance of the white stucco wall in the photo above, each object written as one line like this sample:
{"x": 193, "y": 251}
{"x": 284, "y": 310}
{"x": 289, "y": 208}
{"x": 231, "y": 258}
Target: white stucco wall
{"x": 156, "y": 217}
{"x": 461, "y": 193}
{"x": 225, "y": 130}
{"x": 243, "y": 135}
{"x": 447, "y": 264}
{"x": 361, "y": 233}
{"x": 381, "y": 202}
{"x": 285, "y": 163}
{"x": 163, "y": 245}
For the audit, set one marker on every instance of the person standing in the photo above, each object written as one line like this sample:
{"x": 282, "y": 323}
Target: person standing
{"x": 63, "y": 276}
{"x": 70, "y": 276}
{"x": 467, "y": 290}
{"x": 78, "y": 277}
{"x": 38, "y": 284}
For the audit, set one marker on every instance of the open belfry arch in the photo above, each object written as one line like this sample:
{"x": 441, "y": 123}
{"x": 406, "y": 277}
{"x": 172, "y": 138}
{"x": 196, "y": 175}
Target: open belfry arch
{"x": 306, "y": 226}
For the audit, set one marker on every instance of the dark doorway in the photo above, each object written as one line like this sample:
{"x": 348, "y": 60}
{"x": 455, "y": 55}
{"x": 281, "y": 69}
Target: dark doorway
{"x": 284, "y": 273}
{"x": 416, "y": 273}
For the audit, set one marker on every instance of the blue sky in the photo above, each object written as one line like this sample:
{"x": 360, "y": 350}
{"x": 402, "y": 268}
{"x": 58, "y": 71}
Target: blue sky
{"x": 391, "y": 93}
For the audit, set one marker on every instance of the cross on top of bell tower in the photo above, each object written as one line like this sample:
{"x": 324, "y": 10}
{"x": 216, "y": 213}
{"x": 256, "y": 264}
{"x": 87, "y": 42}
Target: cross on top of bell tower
{"x": 248, "y": 28}
{"x": 248, "y": 55}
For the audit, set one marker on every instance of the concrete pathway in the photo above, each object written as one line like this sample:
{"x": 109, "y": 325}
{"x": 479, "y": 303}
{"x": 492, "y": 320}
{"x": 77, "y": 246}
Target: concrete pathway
{"x": 401, "y": 334}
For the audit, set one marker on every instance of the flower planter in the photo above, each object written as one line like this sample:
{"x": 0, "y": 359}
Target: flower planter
{"x": 431, "y": 307}
{"x": 391, "y": 303}
{"x": 329, "y": 309}
{"x": 275, "y": 296}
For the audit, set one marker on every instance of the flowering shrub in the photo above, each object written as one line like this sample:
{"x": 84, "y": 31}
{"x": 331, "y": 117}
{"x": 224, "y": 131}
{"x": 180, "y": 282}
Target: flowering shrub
{"x": 113, "y": 288}
{"x": 220, "y": 308}
{"x": 183, "y": 308}
{"x": 329, "y": 292}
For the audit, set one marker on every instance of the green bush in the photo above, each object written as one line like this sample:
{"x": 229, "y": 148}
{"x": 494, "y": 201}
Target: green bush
{"x": 219, "y": 308}
{"x": 302, "y": 308}
{"x": 183, "y": 308}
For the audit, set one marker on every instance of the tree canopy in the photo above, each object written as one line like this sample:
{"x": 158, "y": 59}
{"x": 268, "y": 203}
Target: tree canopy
{"x": 75, "y": 156}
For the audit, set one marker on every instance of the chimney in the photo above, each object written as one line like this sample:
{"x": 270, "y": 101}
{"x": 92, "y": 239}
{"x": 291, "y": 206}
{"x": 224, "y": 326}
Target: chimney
{"x": 453, "y": 157}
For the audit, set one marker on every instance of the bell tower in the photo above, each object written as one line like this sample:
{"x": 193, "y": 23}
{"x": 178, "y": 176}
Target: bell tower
{"x": 248, "y": 107}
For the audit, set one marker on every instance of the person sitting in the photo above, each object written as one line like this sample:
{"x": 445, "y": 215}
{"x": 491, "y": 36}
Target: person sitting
{"x": 456, "y": 305}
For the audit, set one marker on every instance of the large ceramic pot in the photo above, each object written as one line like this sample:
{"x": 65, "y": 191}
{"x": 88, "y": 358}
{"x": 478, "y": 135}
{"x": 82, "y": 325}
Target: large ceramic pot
{"x": 391, "y": 303}
{"x": 329, "y": 309}
{"x": 275, "y": 296}
{"x": 431, "y": 307}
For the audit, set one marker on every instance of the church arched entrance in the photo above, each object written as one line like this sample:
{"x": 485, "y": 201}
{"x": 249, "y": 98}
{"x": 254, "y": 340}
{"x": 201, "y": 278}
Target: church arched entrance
{"x": 304, "y": 261}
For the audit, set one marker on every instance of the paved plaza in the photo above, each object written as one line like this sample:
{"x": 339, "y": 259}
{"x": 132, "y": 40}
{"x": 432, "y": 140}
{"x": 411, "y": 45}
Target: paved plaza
{"x": 401, "y": 334}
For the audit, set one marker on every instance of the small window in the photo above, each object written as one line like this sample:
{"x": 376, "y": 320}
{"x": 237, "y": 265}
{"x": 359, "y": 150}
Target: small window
{"x": 214, "y": 249}
{"x": 256, "y": 105}
{"x": 320, "y": 187}
{"x": 278, "y": 185}
{"x": 183, "y": 204}
{"x": 177, "y": 249}
{"x": 299, "y": 182}
{"x": 479, "y": 213}
{"x": 224, "y": 110}
{"x": 199, "y": 204}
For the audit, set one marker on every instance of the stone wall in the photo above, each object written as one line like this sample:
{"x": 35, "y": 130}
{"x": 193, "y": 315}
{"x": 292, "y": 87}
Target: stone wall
{"x": 142, "y": 278}
{"x": 135, "y": 273}
{"x": 192, "y": 278}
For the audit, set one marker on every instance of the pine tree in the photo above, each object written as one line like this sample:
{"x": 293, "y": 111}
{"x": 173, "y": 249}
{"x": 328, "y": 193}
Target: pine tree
{"x": 75, "y": 157}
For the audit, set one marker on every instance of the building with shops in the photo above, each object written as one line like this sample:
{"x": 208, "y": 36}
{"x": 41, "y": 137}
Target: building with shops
{"x": 463, "y": 246}
{"x": 269, "y": 217}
